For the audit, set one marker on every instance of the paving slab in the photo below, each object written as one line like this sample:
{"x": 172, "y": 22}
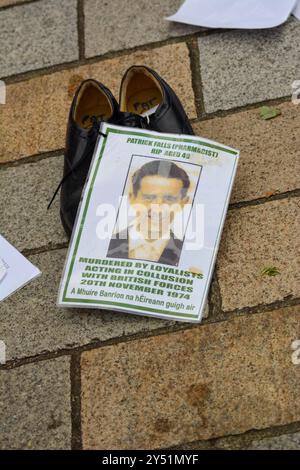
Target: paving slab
{"x": 37, "y": 35}
{"x": 31, "y": 324}
{"x": 210, "y": 381}
{"x": 270, "y": 150}
{"x": 35, "y": 406}
{"x": 25, "y": 191}
{"x": 242, "y": 67}
{"x": 255, "y": 238}
{"x": 44, "y": 118}
{"x": 284, "y": 442}
{"x": 148, "y": 18}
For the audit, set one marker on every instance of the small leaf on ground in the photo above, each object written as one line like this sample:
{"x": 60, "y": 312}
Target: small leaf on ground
{"x": 271, "y": 192}
{"x": 270, "y": 271}
{"x": 268, "y": 112}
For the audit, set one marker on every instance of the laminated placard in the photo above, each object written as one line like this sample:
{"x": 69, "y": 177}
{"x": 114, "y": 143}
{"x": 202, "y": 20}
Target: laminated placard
{"x": 149, "y": 224}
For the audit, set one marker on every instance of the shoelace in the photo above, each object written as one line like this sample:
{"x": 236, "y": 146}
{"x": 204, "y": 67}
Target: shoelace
{"x": 96, "y": 123}
{"x": 126, "y": 119}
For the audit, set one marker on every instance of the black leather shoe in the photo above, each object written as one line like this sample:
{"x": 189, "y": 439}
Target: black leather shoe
{"x": 144, "y": 93}
{"x": 92, "y": 104}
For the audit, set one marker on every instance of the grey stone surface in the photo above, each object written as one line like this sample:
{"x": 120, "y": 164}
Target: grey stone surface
{"x": 37, "y": 35}
{"x": 25, "y": 191}
{"x": 115, "y": 25}
{"x": 284, "y": 442}
{"x": 30, "y": 322}
{"x": 35, "y": 406}
{"x": 242, "y": 67}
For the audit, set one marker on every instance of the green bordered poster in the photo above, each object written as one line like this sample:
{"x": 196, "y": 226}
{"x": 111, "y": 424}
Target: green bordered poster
{"x": 149, "y": 224}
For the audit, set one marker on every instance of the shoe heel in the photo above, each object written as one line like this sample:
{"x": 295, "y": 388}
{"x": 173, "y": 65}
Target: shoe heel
{"x": 65, "y": 226}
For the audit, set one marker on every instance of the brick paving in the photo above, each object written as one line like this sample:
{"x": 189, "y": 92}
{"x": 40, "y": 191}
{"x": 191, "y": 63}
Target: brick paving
{"x": 229, "y": 382}
{"x": 43, "y": 128}
{"x": 35, "y": 406}
{"x": 37, "y": 42}
{"x": 263, "y": 65}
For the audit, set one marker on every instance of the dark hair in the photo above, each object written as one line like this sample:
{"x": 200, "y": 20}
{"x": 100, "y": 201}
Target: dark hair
{"x": 161, "y": 168}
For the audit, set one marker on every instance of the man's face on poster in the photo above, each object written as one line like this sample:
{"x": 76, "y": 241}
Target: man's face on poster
{"x": 156, "y": 203}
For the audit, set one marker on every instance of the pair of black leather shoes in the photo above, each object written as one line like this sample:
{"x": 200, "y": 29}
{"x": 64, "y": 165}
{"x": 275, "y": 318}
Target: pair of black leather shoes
{"x": 146, "y": 101}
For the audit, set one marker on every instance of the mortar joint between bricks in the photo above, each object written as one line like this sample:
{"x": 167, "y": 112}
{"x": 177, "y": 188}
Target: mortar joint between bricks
{"x": 174, "y": 327}
{"x": 81, "y": 29}
{"x": 75, "y": 378}
{"x": 240, "y": 441}
{"x": 197, "y": 85}
{"x": 25, "y": 76}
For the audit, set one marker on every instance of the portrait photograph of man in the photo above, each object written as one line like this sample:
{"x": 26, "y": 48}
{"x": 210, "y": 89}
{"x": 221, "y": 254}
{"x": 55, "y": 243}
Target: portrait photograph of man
{"x": 159, "y": 193}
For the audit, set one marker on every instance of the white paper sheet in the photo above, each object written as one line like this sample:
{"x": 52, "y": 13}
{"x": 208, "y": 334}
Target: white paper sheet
{"x": 296, "y": 11}
{"x": 242, "y": 14}
{"x": 16, "y": 269}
